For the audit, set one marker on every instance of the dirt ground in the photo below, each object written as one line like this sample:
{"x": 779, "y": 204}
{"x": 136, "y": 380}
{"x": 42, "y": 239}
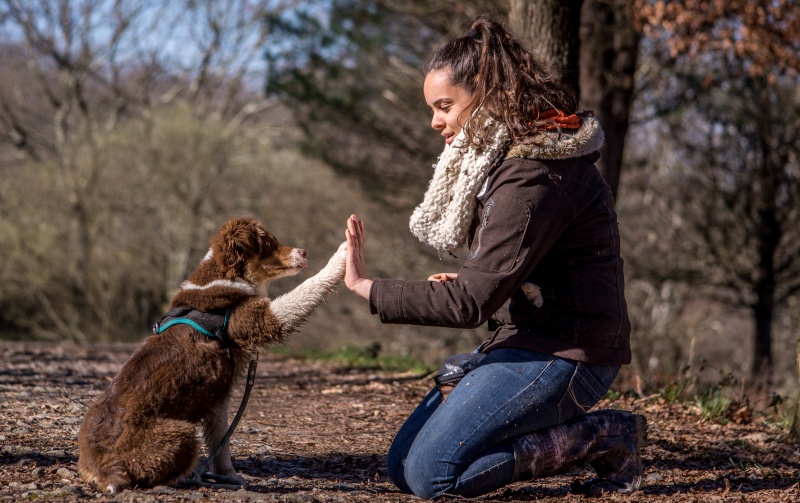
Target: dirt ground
{"x": 314, "y": 432}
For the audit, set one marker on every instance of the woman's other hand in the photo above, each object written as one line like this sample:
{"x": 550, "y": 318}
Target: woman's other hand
{"x": 355, "y": 276}
{"x": 443, "y": 277}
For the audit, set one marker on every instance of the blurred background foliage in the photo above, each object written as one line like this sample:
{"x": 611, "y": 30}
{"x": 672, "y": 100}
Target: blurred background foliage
{"x": 130, "y": 131}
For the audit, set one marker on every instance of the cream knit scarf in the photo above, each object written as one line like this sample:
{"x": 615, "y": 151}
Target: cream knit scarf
{"x": 444, "y": 217}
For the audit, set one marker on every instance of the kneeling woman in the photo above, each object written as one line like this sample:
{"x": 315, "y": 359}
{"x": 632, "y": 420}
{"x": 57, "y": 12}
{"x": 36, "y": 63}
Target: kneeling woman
{"x": 518, "y": 184}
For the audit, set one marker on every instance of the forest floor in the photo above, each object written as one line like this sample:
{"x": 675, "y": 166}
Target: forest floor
{"x": 316, "y": 432}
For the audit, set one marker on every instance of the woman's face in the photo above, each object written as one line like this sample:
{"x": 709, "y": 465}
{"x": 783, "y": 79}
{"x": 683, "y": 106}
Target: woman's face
{"x": 451, "y": 104}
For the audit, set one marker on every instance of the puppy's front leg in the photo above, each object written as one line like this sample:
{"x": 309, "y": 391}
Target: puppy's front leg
{"x": 293, "y": 308}
{"x": 214, "y": 430}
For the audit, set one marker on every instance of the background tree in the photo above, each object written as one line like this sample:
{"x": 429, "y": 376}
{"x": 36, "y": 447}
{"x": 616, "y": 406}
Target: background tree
{"x": 87, "y": 71}
{"x": 727, "y": 153}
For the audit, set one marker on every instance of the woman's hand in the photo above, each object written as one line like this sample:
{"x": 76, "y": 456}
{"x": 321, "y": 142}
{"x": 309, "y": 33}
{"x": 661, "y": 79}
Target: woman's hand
{"x": 355, "y": 276}
{"x": 443, "y": 277}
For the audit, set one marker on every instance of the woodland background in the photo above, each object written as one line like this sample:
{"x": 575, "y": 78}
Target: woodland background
{"x": 131, "y": 130}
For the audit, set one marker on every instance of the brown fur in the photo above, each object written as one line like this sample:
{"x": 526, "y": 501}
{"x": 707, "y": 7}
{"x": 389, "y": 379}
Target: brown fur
{"x": 142, "y": 430}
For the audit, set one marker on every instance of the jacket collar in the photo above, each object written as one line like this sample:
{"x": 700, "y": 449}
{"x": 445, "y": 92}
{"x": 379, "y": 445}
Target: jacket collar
{"x": 561, "y": 145}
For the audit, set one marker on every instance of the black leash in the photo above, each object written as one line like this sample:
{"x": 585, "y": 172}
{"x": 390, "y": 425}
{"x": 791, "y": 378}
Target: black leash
{"x": 201, "y": 475}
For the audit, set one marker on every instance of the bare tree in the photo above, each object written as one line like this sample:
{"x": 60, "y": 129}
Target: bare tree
{"x": 87, "y": 70}
{"x": 732, "y": 184}
{"x": 735, "y": 64}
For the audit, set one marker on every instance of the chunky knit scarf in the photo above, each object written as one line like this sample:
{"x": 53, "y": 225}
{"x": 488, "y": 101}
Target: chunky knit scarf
{"x": 444, "y": 217}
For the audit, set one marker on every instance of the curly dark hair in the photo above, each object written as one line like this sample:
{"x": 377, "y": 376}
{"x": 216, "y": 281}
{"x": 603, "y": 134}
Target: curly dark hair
{"x": 503, "y": 78}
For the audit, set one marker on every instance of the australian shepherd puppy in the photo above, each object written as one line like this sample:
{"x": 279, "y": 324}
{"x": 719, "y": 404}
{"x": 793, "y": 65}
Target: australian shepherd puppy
{"x": 142, "y": 430}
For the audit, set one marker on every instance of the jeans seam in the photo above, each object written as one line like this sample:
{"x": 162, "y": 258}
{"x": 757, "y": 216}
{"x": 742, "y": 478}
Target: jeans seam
{"x": 570, "y": 392}
{"x": 479, "y": 473}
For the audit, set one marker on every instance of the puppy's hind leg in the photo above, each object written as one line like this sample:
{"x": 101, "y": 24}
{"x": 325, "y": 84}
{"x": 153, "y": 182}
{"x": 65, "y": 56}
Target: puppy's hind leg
{"x": 161, "y": 452}
{"x": 99, "y": 463}
{"x": 293, "y": 308}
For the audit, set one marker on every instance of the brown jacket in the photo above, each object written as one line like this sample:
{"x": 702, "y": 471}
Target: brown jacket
{"x": 548, "y": 222}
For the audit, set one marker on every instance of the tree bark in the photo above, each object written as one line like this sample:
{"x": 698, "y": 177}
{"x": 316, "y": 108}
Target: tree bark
{"x": 550, "y": 30}
{"x": 609, "y": 46}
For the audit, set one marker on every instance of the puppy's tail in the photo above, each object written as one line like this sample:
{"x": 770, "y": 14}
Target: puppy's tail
{"x": 293, "y": 308}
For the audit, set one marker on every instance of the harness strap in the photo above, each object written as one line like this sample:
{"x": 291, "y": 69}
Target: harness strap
{"x": 211, "y": 324}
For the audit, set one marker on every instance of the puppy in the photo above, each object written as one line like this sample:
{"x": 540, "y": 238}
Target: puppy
{"x": 142, "y": 430}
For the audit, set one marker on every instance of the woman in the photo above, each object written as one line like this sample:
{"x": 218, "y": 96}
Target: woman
{"x": 517, "y": 183}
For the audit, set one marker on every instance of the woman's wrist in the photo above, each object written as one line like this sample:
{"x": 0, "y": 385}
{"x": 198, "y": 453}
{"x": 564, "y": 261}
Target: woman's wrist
{"x": 362, "y": 288}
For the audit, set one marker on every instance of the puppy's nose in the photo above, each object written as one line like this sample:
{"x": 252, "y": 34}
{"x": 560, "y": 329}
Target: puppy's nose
{"x": 302, "y": 253}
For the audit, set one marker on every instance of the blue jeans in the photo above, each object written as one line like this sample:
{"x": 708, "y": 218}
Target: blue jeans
{"x": 463, "y": 446}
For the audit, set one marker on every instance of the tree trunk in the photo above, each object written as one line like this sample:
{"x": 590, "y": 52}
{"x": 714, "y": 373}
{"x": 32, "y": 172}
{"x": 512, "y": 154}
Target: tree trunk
{"x": 769, "y": 239}
{"x": 770, "y": 233}
{"x": 550, "y": 30}
{"x": 609, "y": 46}
{"x": 762, "y": 354}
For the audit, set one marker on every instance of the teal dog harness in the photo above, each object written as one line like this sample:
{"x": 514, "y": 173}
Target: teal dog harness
{"x": 211, "y": 324}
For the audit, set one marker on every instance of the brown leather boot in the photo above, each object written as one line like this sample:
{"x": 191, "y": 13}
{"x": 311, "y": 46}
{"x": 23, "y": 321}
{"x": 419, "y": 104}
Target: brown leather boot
{"x": 608, "y": 440}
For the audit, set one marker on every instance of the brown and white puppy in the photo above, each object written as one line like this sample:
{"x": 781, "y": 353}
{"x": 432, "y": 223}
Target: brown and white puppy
{"x": 142, "y": 430}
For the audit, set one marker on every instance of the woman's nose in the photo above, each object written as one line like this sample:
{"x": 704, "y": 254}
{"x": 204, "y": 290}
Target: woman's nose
{"x": 437, "y": 123}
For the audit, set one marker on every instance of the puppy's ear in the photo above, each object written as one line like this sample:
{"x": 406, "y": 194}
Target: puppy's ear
{"x": 236, "y": 242}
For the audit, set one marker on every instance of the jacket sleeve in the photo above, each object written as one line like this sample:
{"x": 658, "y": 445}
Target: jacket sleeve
{"x": 521, "y": 218}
